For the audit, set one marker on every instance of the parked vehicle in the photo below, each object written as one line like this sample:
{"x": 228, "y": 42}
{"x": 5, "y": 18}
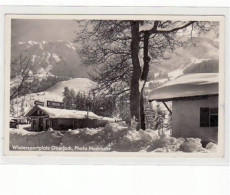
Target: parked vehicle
{"x": 13, "y": 123}
{"x": 22, "y": 121}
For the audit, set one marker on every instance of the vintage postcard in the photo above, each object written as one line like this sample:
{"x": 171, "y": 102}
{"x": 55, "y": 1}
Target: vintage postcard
{"x": 114, "y": 85}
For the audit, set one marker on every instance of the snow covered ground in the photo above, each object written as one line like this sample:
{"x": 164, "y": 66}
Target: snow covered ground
{"x": 116, "y": 137}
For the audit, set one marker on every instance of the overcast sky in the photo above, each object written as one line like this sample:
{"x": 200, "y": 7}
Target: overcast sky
{"x": 38, "y": 30}
{"x": 47, "y": 29}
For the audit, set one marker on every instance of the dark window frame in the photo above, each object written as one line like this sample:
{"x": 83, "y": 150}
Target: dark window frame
{"x": 208, "y": 117}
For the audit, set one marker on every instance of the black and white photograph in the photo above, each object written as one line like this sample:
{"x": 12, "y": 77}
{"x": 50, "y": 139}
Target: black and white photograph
{"x": 111, "y": 85}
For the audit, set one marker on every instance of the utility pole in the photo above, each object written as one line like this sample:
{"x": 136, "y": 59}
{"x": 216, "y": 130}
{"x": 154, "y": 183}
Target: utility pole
{"x": 17, "y": 112}
{"x": 87, "y": 116}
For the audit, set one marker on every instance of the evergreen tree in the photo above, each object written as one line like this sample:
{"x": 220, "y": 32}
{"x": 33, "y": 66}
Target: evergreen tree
{"x": 149, "y": 114}
{"x": 69, "y": 98}
{"x": 123, "y": 108}
{"x": 100, "y": 104}
{"x": 169, "y": 123}
{"x": 159, "y": 119}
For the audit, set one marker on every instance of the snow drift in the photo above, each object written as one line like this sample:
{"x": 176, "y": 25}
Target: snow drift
{"x": 33, "y": 139}
{"x": 118, "y": 137}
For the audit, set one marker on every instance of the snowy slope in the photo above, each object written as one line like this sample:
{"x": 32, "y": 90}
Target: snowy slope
{"x": 54, "y": 93}
{"x": 77, "y": 84}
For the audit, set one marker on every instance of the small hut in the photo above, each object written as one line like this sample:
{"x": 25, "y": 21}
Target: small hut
{"x": 43, "y": 118}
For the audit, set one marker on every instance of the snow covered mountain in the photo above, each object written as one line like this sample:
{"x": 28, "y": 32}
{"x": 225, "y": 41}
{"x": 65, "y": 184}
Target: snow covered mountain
{"x": 57, "y": 58}
{"x": 206, "y": 49}
{"x": 202, "y": 58}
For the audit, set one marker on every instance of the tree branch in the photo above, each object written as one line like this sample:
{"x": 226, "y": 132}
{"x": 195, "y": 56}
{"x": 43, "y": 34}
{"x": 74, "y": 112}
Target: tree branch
{"x": 154, "y": 29}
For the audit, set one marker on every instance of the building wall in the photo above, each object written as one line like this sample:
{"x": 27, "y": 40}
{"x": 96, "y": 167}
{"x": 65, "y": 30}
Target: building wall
{"x": 186, "y": 119}
{"x": 36, "y": 126}
{"x": 65, "y": 124}
{"x": 62, "y": 124}
{"x": 89, "y": 123}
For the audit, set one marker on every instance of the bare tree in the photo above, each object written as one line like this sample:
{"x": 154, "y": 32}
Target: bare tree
{"x": 21, "y": 69}
{"x": 114, "y": 48}
{"x": 104, "y": 45}
{"x": 161, "y": 36}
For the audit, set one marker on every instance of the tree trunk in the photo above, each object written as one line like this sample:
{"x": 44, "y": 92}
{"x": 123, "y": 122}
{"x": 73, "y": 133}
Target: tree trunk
{"x": 144, "y": 76}
{"x": 136, "y": 75}
{"x": 142, "y": 112}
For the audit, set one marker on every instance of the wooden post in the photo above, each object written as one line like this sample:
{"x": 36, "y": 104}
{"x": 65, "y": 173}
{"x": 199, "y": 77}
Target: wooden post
{"x": 167, "y": 107}
{"x": 87, "y": 116}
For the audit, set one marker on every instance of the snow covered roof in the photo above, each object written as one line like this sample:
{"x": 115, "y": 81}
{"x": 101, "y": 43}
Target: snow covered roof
{"x": 108, "y": 119}
{"x": 187, "y": 85}
{"x": 63, "y": 113}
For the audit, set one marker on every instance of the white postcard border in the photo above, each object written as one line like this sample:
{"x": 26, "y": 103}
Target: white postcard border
{"x": 221, "y": 136}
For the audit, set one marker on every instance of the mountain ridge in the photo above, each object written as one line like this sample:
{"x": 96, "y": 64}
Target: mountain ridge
{"x": 58, "y": 58}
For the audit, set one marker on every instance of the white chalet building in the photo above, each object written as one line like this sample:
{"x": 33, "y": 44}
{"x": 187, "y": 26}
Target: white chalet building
{"x": 194, "y": 100}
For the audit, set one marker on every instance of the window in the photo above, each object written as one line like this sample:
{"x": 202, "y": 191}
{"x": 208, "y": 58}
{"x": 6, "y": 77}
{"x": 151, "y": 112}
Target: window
{"x": 213, "y": 117}
{"x": 208, "y": 117}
